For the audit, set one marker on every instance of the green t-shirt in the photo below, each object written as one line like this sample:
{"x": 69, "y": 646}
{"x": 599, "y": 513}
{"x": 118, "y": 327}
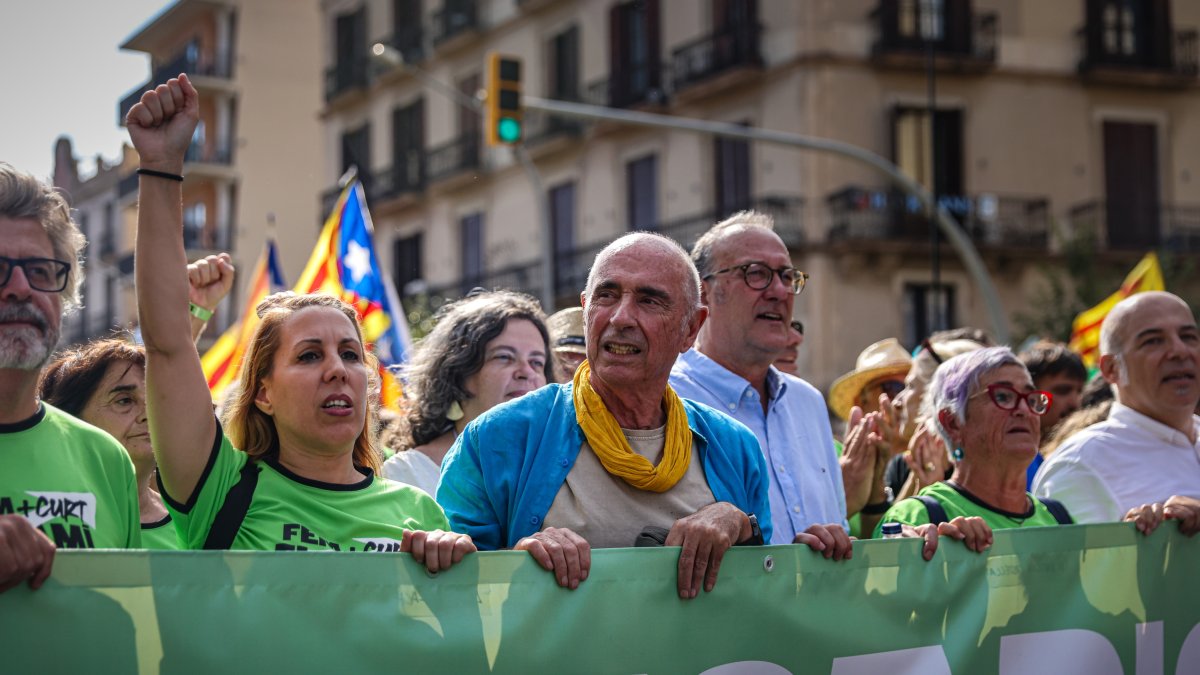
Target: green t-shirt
{"x": 160, "y": 536}
{"x": 71, "y": 480}
{"x": 292, "y": 513}
{"x": 959, "y": 503}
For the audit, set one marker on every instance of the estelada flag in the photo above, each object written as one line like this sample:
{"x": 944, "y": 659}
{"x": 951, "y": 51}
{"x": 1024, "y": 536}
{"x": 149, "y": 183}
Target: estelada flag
{"x": 1085, "y": 331}
{"x": 344, "y": 264}
{"x": 223, "y": 362}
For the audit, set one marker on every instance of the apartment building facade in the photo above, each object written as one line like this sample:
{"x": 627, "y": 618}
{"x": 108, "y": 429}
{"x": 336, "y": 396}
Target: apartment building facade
{"x": 254, "y": 165}
{"x": 1049, "y": 120}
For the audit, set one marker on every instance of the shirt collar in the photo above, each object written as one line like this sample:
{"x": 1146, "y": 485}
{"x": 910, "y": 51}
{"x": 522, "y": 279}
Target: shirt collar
{"x": 726, "y": 385}
{"x": 1163, "y": 432}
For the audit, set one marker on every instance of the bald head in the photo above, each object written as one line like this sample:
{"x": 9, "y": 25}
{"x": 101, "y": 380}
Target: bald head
{"x": 1131, "y": 313}
{"x": 645, "y": 242}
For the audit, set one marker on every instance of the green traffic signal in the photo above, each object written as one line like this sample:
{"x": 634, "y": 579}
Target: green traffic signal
{"x": 508, "y": 130}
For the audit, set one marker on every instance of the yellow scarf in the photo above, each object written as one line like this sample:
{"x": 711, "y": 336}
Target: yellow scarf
{"x": 610, "y": 445}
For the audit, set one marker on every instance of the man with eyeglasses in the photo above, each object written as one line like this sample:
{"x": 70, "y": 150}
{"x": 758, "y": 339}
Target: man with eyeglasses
{"x": 63, "y": 483}
{"x": 749, "y": 284}
{"x": 1143, "y": 462}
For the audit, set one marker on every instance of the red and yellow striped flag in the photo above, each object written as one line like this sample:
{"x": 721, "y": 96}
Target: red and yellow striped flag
{"x": 223, "y": 362}
{"x": 1085, "y": 331}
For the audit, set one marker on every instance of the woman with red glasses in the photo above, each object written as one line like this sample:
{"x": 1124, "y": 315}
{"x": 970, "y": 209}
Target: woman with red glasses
{"x": 985, "y": 408}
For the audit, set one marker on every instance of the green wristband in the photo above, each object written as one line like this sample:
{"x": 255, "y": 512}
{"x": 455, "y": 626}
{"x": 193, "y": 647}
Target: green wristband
{"x": 199, "y": 312}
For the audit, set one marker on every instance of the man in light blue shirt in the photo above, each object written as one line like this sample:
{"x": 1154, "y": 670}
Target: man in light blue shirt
{"x": 748, "y": 283}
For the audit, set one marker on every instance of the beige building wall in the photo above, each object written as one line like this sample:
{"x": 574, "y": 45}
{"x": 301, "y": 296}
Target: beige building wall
{"x": 1032, "y": 128}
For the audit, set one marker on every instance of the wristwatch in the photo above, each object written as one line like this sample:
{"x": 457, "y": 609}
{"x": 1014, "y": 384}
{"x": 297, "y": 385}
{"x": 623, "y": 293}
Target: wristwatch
{"x": 756, "y": 537}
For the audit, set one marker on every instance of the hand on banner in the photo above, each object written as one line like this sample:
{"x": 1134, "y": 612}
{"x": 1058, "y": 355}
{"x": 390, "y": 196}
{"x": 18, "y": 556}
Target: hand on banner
{"x": 209, "y": 280}
{"x": 1148, "y": 517}
{"x": 705, "y": 536}
{"x": 436, "y": 549}
{"x": 161, "y": 124}
{"x": 562, "y": 552}
{"x": 830, "y": 540}
{"x": 25, "y": 553}
{"x": 972, "y": 531}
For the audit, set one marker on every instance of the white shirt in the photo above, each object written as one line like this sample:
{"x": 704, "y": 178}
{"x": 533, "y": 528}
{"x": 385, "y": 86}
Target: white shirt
{"x": 1121, "y": 463}
{"x": 415, "y": 468}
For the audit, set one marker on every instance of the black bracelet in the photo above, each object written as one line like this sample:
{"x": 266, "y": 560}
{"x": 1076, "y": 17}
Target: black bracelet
{"x": 160, "y": 174}
{"x": 876, "y": 508}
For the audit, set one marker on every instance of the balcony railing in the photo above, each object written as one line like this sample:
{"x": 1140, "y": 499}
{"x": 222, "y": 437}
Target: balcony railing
{"x": 198, "y": 153}
{"x": 857, "y": 214}
{"x": 410, "y": 42}
{"x": 524, "y": 277}
{"x": 1181, "y": 60}
{"x": 448, "y": 159}
{"x": 406, "y": 177}
{"x": 346, "y": 75}
{"x": 977, "y": 44}
{"x": 633, "y": 87}
{"x": 541, "y": 127}
{"x": 1172, "y": 227}
{"x": 199, "y": 236}
{"x": 450, "y": 22}
{"x": 184, "y": 62}
{"x": 714, "y": 54}
{"x": 571, "y": 269}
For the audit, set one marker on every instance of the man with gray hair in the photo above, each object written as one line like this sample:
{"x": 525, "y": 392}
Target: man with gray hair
{"x": 63, "y": 483}
{"x": 748, "y": 284}
{"x": 1148, "y": 450}
{"x": 614, "y": 458}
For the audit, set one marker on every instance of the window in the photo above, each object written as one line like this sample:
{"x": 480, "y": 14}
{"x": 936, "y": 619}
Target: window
{"x": 1130, "y": 33}
{"x": 407, "y": 23}
{"x": 408, "y": 143}
{"x": 350, "y": 40}
{"x": 634, "y": 54}
{"x": 471, "y": 229}
{"x": 641, "y": 189}
{"x": 562, "y": 224}
{"x": 936, "y": 164}
{"x": 927, "y": 309}
{"x": 731, "y": 161}
{"x": 563, "y": 65}
{"x": 195, "y": 217}
{"x": 1131, "y": 185}
{"x": 356, "y": 152}
{"x": 406, "y": 254}
{"x": 108, "y": 236}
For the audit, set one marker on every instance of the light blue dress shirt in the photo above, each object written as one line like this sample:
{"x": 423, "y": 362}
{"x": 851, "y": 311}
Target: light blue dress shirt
{"x": 794, "y": 435}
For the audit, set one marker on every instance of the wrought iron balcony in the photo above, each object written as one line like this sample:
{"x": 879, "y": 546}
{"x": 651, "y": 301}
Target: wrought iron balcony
{"x": 542, "y": 127}
{"x": 410, "y": 42}
{"x": 345, "y": 76}
{"x": 571, "y": 269}
{"x": 636, "y": 86}
{"x": 523, "y": 277}
{"x": 714, "y": 54}
{"x": 899, "y": 40}
{"x": 1172, "y": 227}
{"x": 452, "y": 21}
{"x": 184, "y": 62}
{"x": 448, "y": 159}
{"x": 1178, "y": 59}
{"x": 197, "y": 153}
{"x": 856, "y": 214}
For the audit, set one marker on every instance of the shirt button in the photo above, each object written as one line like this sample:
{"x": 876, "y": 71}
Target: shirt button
{"x": 733, "y": 406}
{"x": 564, "y": 461}
{"x": 796, "y": 509}
{"x": 534, "y": 520}
{"x": 783, "y": 469}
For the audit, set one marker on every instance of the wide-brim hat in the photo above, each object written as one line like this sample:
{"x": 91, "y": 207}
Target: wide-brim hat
{"x": 566, "y": 331}
{"x": 886, "y": 358}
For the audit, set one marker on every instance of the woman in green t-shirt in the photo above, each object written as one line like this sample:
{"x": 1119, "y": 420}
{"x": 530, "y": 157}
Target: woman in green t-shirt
{"x": 984, "y": 406}
{"x": 294, "y": 468}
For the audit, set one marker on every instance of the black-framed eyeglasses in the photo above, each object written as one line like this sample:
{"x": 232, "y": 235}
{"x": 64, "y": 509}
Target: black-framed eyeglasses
{"x": 43, "y": 274}
{"x": 1006, "y": 397}
{"x": 758, "y": 276}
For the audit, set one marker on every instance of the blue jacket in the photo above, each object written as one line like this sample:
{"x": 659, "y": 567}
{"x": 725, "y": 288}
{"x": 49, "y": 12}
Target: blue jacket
{"x": 502, "y": 474}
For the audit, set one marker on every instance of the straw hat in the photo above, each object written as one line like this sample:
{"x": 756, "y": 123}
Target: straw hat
{"x": 566, "y": 330}
{"x": 886, "y": 358}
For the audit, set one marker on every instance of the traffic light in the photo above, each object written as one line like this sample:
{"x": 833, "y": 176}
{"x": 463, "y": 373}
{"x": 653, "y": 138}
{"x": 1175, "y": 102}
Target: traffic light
{"x": 504, "y": 123}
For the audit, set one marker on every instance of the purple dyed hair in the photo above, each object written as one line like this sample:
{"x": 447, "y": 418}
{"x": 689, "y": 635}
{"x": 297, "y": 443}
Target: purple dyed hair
{"x": 957, "y": 379}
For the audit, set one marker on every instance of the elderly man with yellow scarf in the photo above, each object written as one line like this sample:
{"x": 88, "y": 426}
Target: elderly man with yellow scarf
{"x": 615, "y": 456}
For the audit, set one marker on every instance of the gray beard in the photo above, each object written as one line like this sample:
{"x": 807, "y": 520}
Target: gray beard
{"x": 26, "y": 348}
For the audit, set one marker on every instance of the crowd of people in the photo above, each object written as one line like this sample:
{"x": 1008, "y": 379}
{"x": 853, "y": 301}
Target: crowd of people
{"x": 666, "y": 410}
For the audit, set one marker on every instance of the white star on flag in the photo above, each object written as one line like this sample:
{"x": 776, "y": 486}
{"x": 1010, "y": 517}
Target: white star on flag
{"x": 357, "y": 260}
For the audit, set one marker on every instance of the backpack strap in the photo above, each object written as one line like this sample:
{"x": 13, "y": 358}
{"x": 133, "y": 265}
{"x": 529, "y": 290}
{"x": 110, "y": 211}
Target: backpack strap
{"x": 229, "y": 519}
{"x": 1058, "y": 510}
{"x": 937, "y": 514}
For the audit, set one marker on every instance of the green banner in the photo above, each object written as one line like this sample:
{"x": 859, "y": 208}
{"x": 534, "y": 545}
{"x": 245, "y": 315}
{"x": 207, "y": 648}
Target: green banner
{"x": 1082, "y": 599}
